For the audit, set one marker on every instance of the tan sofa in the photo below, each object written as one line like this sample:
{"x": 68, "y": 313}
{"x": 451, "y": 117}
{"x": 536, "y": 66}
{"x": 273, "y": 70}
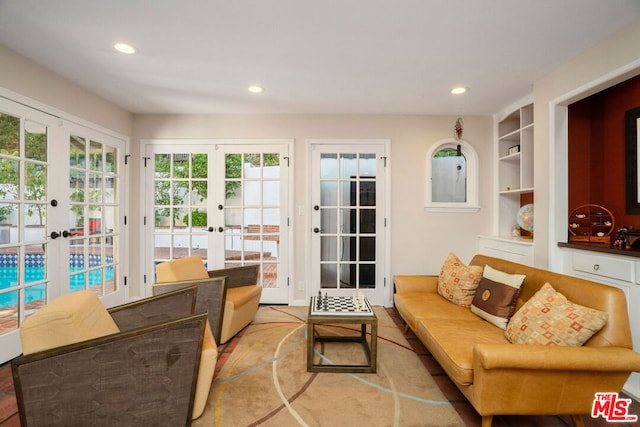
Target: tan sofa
{"x": 498, "y": 377}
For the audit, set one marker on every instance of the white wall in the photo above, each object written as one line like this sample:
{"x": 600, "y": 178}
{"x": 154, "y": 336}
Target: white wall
{"x": 28, "y": 79}
{"x": 420, "y": 241}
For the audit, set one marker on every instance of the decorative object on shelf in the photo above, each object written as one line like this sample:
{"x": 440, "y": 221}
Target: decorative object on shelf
{"x": 515, "y": 231}
{"x": 620, "y": 240}
{"x": 525, "y": 217}
{"x": 592, "y": 223}
{"x": 514, "y": 150}
{"x": 458, "y": 128}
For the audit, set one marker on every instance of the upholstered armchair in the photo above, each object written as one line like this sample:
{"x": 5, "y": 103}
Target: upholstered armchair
{"x": 242, "y": 291}
{"x": 144, "y": 363}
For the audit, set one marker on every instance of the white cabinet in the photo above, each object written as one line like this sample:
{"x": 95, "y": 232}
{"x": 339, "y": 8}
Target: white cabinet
{"x": 623, "y": 272}
{"x": 515, "y": 164}
{"x": 511, "y": 249}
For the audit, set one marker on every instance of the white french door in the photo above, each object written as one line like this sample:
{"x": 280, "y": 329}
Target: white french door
{"x": 349, "y": 215}
{"x": 225, "y": 202}
{"x": 60, "y": 215}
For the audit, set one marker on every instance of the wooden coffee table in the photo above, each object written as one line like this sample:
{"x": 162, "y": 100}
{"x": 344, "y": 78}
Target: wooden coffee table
{"x": 317, "y": 316}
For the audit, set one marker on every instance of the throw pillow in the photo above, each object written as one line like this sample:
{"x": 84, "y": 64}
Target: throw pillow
{"x": 548, "y": 318}
{"x": 458, "y": 282}
{"x": 496, "y": 296}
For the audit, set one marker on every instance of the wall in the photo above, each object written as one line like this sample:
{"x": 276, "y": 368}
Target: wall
{"x": 420, "y": 241}
{"x": 597, "y": 149}
{"x": 610, "y": 62}
{"x": 28, "y": 79}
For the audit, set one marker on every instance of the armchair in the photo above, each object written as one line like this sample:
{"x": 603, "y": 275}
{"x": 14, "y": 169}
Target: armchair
{"x": 136, "y": 364}
{"x": 242, "y": 291}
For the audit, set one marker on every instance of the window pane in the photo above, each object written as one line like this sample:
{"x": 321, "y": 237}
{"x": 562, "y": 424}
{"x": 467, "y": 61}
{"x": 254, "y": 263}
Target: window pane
{"x": 199, "y": 166}
{"x": 95, "y": 156}
{"x": 9, "y": 134}
{"x": 35, "y": 182}
{"x": 110, "y": 160}
{"x": 77, "y": 147}
{"x": 233, "y": 166}
{"x": 35, "y": 141}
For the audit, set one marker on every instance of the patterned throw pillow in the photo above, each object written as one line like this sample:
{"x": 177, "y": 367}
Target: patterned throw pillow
{"x": 496, "y": 296}
{"x": 458, "y": 282}
{"x": 548, "y": 318}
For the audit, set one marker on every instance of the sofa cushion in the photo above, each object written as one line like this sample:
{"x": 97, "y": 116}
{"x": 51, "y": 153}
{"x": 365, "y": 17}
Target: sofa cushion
{"x": 414, "y": 306}
{"x": 496, "y": 296}
{"x": 458, "y": 282}
{"x": 451, "y": 343}
{"x": 548, "y": 318}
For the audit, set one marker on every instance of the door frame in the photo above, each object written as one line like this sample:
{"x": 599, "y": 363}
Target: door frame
{"x": 148, "y": 269}
{"x": 387, "y": 292}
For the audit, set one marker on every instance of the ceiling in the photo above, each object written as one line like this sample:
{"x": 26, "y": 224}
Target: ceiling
{"x": 326, "y": 57}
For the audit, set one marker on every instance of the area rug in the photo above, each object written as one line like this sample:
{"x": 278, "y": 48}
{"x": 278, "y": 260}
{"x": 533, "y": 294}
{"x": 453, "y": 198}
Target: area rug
{"x": 265, "y": 380}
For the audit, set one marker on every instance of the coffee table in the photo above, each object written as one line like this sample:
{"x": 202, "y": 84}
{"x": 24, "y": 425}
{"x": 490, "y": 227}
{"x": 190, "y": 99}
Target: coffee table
{"x": 362, "y": 318}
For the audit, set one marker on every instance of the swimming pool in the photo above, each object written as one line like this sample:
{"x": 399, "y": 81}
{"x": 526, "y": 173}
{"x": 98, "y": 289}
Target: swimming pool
{"x": 9, "y": 277}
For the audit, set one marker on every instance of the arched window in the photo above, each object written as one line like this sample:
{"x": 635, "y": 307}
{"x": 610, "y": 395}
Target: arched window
{"x": 452, "y": 177}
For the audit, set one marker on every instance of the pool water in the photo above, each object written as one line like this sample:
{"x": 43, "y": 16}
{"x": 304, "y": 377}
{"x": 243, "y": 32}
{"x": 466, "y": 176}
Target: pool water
{"x": 9, "y": 276}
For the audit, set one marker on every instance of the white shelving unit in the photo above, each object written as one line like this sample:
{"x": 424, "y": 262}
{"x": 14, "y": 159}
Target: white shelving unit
{"x": 514, "y": 168}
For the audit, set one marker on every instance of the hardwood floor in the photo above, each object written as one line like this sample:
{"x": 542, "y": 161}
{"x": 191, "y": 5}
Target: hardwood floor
{"x": 9, "y": 412}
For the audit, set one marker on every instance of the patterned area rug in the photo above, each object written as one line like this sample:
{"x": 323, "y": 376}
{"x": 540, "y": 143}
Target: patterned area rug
{"x": 265, "y": 380}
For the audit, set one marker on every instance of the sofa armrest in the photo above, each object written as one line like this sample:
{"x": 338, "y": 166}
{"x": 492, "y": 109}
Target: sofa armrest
{"x": 534, "y": 357}
{"x": 415, "y": 284}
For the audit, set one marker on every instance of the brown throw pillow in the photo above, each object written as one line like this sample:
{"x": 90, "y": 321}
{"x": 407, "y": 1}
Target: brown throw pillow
{"x": 496, "y": 296}
{"x": 548, "y": 318}
{"x": 458, "y": 282}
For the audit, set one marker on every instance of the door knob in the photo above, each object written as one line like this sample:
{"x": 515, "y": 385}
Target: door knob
{"x": 316, "y": 230}
{"x": 54, "y": 235}
{"x": 65, "y": 233}
{"x": 210, "y": 229}
{"x": 220, "y": 229}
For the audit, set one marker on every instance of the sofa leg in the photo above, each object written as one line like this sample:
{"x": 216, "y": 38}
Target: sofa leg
{"x": 577, "y": 420}
{"x": 487, "y": 420}
{"x": 406, "y": 328}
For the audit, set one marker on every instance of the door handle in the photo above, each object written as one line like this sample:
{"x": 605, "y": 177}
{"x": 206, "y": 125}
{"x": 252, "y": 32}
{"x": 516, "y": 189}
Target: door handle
{"x": 220, "y": 229}
{"x": 54, "y": 235}
{"x": 66, "y": 233}
{"x": 316, "y": 230}
{"x": 210, "y": 229}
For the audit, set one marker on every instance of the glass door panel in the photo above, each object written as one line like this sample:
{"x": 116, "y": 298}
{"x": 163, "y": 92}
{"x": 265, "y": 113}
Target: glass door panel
{"x": 24, "y": 278}
{"x": 253, "y": 214}
{"x": 180, "y": 209}
{"x": 93, "y": 227}
{"x": 348, "y": 220}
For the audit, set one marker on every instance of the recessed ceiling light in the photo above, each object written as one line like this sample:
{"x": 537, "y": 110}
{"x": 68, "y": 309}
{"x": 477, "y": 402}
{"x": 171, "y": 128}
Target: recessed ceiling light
{"x": 124, "y": 48}
{"x": 255, "y": 89}
{"x": 459, "y": 90}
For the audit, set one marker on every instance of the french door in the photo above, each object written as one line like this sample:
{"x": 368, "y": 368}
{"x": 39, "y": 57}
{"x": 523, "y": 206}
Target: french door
{"x": 60, "y": 221}
{"x": 225, "y": 202}
{"x": 349, "y": 215}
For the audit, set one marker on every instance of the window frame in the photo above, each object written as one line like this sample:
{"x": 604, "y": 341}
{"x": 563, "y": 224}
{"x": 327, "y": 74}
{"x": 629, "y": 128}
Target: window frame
{"x": 471, "y": 204}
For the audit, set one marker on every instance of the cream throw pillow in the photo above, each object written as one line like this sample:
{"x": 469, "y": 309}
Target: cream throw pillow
{"x": 458, "y": 282}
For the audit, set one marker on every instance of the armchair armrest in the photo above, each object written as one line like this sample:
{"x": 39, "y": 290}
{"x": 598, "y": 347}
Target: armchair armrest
{"x": 416, "y": 284}
{"x": 246, "y": 275}
{"x": 146, "y": 376}
{"x": 156, "y": 309}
